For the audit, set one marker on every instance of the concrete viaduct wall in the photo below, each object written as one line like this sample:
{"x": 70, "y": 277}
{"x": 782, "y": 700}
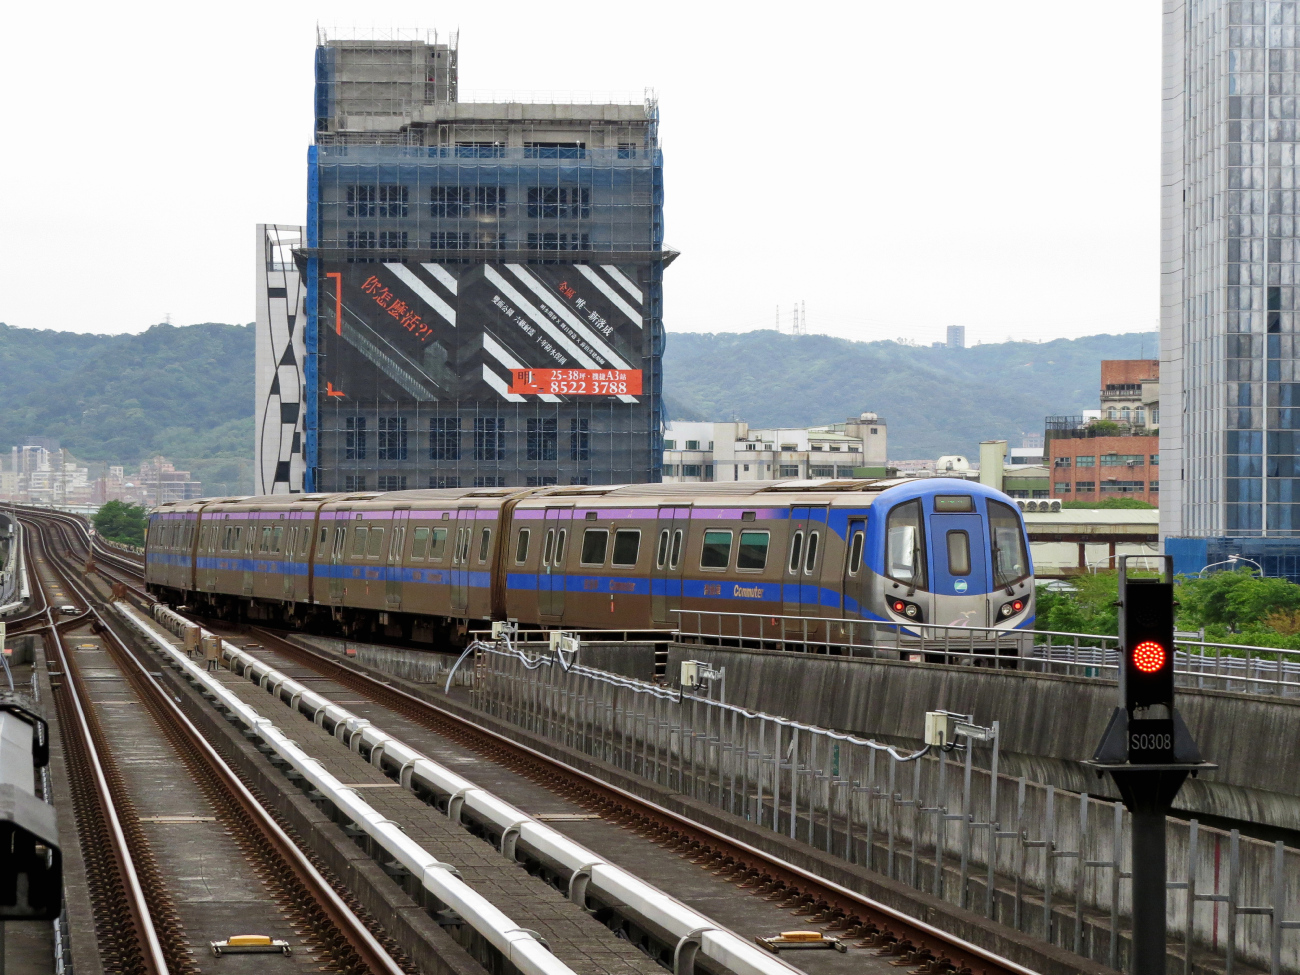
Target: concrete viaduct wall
{"x": 1049, "y": 723}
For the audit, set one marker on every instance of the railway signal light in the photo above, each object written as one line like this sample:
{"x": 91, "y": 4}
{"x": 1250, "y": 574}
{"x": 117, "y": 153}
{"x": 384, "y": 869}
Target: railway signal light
{"x": 1146, "y": 639}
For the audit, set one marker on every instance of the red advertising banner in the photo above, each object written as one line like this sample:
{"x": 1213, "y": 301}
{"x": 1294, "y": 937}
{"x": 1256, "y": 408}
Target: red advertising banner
{"x": 576, "y": 382}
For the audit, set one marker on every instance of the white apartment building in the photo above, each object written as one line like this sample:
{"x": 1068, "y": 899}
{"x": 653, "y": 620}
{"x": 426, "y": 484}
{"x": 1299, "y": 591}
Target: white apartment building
{"x": 731, "y": 451}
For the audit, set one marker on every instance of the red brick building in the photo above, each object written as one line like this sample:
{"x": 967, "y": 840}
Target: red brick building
{"x": 1091, "y": 468}
{"x": 1117, "y": 454}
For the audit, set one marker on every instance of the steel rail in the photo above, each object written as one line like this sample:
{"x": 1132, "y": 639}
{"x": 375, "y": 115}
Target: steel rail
{"x": 748, "y": 861}
{"x": 367, "y": 947}
{"x": 153, "y": 959}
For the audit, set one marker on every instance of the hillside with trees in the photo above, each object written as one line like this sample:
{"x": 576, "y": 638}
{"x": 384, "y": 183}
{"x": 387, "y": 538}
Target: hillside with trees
{"x": 935, "y": 401}
{"x": 187, "y": 393}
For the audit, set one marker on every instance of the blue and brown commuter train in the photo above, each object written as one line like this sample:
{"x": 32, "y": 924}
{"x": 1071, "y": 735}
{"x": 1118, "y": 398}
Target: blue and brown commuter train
{"x": 428, "y": 566}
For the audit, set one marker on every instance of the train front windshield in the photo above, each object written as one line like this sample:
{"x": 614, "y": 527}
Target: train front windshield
{"x": 1010, "y": 558}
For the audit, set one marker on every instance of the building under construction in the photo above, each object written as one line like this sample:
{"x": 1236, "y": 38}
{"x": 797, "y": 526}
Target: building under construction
{"x": 481, "y": 281}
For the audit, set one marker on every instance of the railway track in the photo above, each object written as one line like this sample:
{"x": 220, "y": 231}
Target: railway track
{"x": 137, "y": 923}
{"x": 844, "y": 912}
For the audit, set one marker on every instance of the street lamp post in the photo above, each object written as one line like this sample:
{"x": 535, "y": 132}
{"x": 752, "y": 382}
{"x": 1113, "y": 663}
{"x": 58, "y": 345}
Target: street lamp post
{"x": 1233, "y": 560}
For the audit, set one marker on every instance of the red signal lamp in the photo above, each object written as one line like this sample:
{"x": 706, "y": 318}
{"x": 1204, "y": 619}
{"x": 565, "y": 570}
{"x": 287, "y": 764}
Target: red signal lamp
{"x": 1148, "y": 656}
{"x": 899, "y": 606}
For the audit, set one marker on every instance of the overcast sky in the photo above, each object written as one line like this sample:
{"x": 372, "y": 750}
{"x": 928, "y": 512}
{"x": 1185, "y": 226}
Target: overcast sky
{"x": 896, "y": 165}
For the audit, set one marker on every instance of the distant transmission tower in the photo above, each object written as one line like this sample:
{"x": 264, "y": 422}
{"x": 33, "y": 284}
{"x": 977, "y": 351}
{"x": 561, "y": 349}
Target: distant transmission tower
{"x": 799, "y": 324}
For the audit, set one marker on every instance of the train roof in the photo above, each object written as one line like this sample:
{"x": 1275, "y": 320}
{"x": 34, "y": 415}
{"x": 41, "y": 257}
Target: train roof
{"x": 619, "y": 492}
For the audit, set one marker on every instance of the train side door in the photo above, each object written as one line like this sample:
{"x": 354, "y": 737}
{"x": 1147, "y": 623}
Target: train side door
{"x": 551, "y": 577}
{"x": 852, "y": 589}
{"x": 671, "y": 529}
{"x": 958, "y": 555}
{"x": 814, "y": 564}
{"x": 801, "y": 589}
{"x": 460, "y": 560}
{"x": 342, "y": 518}
{"x": 393, "y": 570}
{"x": 253, "y": 528}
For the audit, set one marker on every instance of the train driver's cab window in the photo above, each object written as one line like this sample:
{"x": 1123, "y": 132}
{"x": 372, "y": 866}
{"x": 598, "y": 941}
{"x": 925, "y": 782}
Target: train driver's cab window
{"x": 375, "y": 543}
{"x": 521, "y": 547}
{"x": 358, "y": 541}
{"x": 627, "y": 546}
{"x": 752, "y": 554}
{"x": 1010, "y": 559}
{"x": 855, "y": 552}
{"x": 958, "y": 553}
{"x": 419, "y": 544}
{"x": 594, "y": 543}
{"x": 716, "y": 551}
{"x": 439, "y": 544}
{"x": 485, "y": 536}
{"x": 661, "y": 550}
{"x": 905, "y": 545}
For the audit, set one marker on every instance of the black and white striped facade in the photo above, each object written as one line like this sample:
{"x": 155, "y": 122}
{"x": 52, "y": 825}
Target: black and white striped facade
{"x": 281, "y": 358}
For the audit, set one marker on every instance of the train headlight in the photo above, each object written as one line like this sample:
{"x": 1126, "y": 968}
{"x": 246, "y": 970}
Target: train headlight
{"x": 1011, "y": 608}
{"x": 903, "y": 608}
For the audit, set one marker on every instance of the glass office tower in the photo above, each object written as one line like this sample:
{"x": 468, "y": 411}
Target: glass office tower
{"x": 1230, "y": 481}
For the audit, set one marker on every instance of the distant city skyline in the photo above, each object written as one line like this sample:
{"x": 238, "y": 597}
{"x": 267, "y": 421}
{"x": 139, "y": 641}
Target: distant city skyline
{"x": 1008, "y": 183}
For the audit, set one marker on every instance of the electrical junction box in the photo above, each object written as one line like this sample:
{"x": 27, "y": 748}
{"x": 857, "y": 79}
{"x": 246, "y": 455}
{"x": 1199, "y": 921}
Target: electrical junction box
{"x": 498, "y": 629}
{"x": 690, "y": 673}
{"x": 564, "y": 642}
{"x": 938, "y": 728}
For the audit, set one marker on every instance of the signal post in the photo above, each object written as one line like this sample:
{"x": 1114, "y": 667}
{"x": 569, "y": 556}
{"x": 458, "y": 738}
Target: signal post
{"x": 1147, "y": 748}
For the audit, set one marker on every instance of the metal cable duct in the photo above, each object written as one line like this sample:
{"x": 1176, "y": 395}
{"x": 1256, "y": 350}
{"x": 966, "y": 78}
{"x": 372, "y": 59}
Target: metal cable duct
{"x": 520, "y": 947}
{"x": 589, "y": 873}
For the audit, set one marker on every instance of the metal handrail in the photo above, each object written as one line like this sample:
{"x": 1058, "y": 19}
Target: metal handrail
{"x": 1202, "y": 663}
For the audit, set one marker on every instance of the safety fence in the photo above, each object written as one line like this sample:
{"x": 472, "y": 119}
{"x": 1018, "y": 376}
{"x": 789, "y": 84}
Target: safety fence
{"x": 1197, "y": 662}
{"x": 1050, "y": 863}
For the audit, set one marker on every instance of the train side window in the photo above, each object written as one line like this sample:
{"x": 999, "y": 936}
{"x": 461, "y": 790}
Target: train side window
{"x": 547, "y": 546}
{"x": 810, "y": 561}
{"x": 252, "y": 539}
{"x": 594, "y": 543}
{"x": 905, "y": 545}
{"x": 796, "y": 549}
{"x": 752, "y": 554}
{"x": 716, "y": 551}
{"x": 958, "y": 554}
{"x": 277, "y": 538}
{"x": 484, "y": 537}
{"x": 304, "y": 539}
{"x": 420, "y": 543}
{"x": 358, "y": 541}
{"x": 439, "y": 543}
{"x": 661, "y": 556}
{"x": 395, "y": 547}
{"x": 266, "y": 539}
{"x": 324, "y": 534}
{"x": 204, "y": 533}
{"x": 375, "y": 544}
{"x": 627, "y": 546}
{"x": 855, "y": 552}
{"x": 340, "y": 537}
{"x": 521, "y": 547}
{"x": 559, "y": 546}
{"x": 677, "y": 549}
